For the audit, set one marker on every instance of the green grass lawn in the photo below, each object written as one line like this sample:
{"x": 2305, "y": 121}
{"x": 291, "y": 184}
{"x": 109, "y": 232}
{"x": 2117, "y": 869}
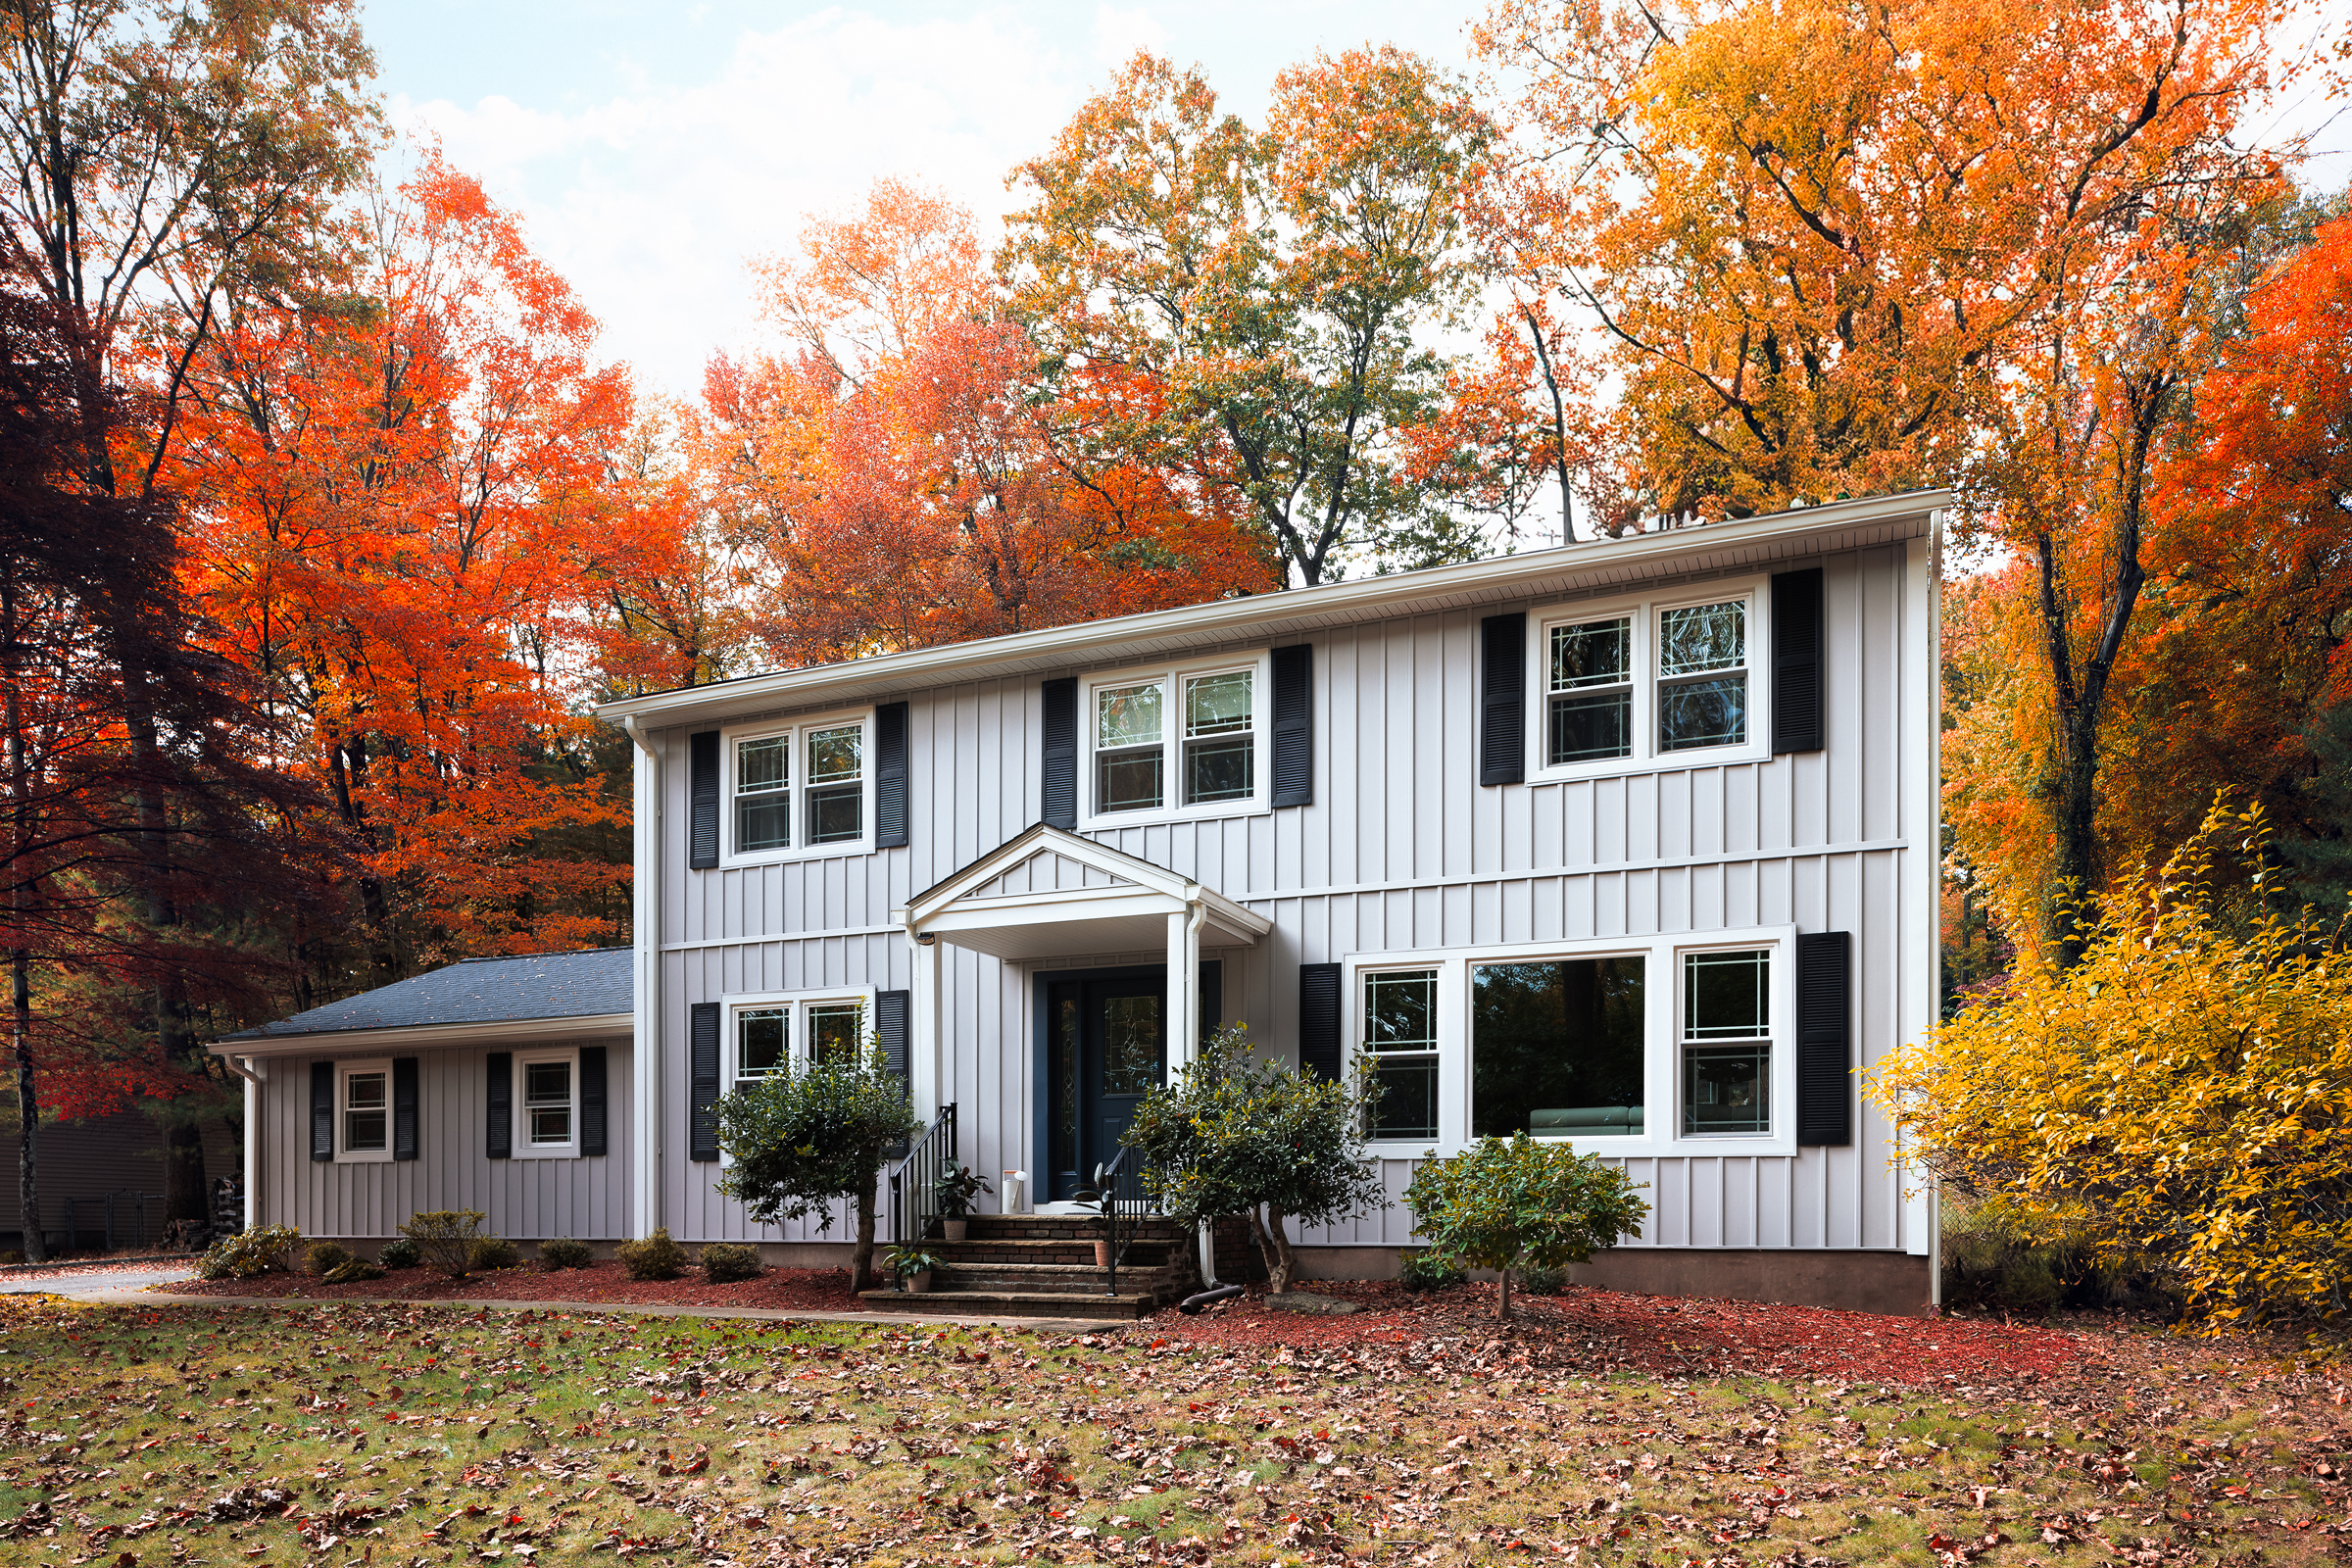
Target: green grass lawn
{"x": 385, "y": 1434}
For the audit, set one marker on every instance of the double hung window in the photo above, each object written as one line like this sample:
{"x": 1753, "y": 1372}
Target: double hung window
{"x": 799, "y": 788}
{"x": 1646, "y": 682}
{"x": 366, "y": 1108}
{"x": 1727, "y": 1043}
{"x": 772, "y": 1031}
{"x": 1400, "y": 1034}
{"x": 1175, "y": 741}
{"x": 550, "y": 1084}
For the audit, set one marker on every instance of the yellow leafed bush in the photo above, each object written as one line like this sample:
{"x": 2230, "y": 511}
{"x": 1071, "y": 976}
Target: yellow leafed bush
{"x": 2175, "y": 1102}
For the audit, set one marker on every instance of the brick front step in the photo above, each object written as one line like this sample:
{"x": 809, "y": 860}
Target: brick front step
{"x": 1058, "y": 1227}
{"x": 1053, "y": 1277}
{"x": 1007, "y": 1303}
{"x": 1145, "y": 1253}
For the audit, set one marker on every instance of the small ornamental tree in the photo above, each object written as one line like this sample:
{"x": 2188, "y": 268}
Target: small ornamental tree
{"x": 2174, "y": 1102}
{"x": 811, "y": 1134}
{"x": 1522, "y": 1203}
{"x": 1237, "y": 1132}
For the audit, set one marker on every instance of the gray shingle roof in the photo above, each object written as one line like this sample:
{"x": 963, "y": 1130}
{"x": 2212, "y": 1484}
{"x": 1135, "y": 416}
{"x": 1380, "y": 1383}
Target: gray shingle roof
{"x": 540, "y": 985}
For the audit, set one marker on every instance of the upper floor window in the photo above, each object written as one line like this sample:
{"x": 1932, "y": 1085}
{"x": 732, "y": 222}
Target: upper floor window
{"x": 799, "y": 788}
{"x": 1647, "y": 682}
{"x": 1175, "y": 741}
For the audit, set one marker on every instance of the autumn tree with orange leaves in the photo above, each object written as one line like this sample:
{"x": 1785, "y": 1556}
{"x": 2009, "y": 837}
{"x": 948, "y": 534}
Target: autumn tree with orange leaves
{"x": 899, "y": 474}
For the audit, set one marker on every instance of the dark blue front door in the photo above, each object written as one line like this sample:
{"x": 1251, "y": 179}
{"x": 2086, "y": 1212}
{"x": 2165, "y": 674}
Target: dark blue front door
{"x": 1105, "y": 1048}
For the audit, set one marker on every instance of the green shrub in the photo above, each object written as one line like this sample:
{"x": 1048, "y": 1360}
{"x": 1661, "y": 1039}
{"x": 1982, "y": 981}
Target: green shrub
{"x": 725, "y": 1262}
{"x": 492, "y": 1252}
{"x": 1542, "y": 1281}
{"x": 564, "y": 1252}
{"x": 399, "y": 1252}
{"x": 11, "y": 1254}
{"x": 1992, "y": 1262}
{"x": 802, "y": 1140}
{"x": 325, "y": 1258}
{"x": 353, "y": 1269}
{"x": 1517, "y": 1204}
{"x": 1428, "y": 1269}
{"x": 248, "y": 1253}
{"x": 445, "y": 1238}
{"x": 656, "y": 1257}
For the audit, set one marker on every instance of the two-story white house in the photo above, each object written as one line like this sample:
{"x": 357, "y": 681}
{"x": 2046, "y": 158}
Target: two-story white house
{"x": 1632, "y": 845}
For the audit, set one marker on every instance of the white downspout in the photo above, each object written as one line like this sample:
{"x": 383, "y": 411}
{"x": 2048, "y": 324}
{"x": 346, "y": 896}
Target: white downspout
{"x": 645, "y": 1046}
{"x": 254, "y": 1078}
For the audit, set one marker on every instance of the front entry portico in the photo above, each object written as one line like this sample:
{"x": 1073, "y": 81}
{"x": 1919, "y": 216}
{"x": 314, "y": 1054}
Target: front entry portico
{"x": 1047, "y": 894}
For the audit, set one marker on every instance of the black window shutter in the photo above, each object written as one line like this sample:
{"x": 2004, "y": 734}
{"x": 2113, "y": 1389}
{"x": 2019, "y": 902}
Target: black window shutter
{"x": 1295, "y": 726}
{"x": 890, "y": 776}
{"x": 322, "y": 1110}
{"x": 1058, "y": 754}
{"x": 1502, "y": 701}
{"x": 703, "y": 1089}
{"x": 1319, "y": 1020}
{"x": 593, "y": 1137}
{"x": 891, "y": 1011}
{"x": 702, "y": 834}
{"x": 499, "y": 1136}
{"x": 1212, "y": 996}
{"x": 1796, "y": 673}
{"x": 404, "y": 1108}
{"x": 1823, "y": 1035}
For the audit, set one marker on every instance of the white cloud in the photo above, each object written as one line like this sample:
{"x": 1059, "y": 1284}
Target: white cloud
{"x": 653, "y": 202}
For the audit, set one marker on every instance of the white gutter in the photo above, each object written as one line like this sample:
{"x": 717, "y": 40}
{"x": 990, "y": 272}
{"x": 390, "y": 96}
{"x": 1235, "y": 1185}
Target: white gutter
{"x": 1568, "y": 569}
{"x": 645, "y": 934}
{"x": 425, "y": 1036}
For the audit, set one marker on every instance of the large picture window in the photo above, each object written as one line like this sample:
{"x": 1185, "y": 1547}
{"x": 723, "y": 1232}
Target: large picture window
{"x": 1619, "y": 1045}
{"x": 1173, "y": 742}
{"x": 799, "y": 788}
{"x": 1557, "y": 1049}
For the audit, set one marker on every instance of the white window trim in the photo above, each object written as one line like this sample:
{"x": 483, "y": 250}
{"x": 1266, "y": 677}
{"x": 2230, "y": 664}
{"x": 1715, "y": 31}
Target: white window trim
{"x": 1261, "y": 736}
{"x": 343, "y": 1075}
{"x": 1662, "y": 1074}
{"x": 730, "y": 1062}
{"x": 521, "y": 1145}
{"x": 798, "y": 850}
{"x": 1643, "y": 609}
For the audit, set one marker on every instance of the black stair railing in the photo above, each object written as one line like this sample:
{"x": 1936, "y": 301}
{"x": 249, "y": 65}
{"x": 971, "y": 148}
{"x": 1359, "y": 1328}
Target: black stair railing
{"x": 914, "y": 1181}
{"x": 1120, "y": 1197}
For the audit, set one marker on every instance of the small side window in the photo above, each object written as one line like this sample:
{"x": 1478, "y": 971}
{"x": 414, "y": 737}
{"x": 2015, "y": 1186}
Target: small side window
{"x": 1727, "y": 1043}
{"x": 837, "y": 784}
{"x": 367, "y": 1112}
{"x": 1590, "y": 704}
{"x": 763, "y": 793}
{"x": 1702, "y": 676}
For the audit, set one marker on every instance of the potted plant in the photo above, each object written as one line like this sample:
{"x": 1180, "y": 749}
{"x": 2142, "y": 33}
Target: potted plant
{"x": 912, "y": 1265}
{"x": 957, "y": 1189}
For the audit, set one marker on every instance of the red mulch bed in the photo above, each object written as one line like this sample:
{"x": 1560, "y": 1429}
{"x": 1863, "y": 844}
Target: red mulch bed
{"x": 787, "y": 1290}
{"x": 1593, "y": 1331}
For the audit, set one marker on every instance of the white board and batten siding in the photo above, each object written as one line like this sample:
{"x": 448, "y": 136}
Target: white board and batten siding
{"x": 1402, "y": 850}
{"x": 527, "y": 1199}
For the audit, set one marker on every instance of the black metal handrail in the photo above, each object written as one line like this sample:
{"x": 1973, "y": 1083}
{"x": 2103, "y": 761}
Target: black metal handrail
{"x": 1120, "y": 1197}
{"x": 914, "y": 1181}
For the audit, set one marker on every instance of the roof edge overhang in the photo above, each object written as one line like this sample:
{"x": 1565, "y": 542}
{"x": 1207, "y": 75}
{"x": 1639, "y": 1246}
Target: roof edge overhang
{"x": 428, "y": 1036}
{"x": 1170, "y": 889}
{"x": 1559, "y": 570}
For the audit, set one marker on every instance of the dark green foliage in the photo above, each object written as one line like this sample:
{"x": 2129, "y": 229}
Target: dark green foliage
{"x": 400, "y": 1253}
{"x": 725, "y": 1262}
{"x": 1428, "y": 1269}
{"x": 248, "y": 1253}
{"x": 1993, "y": 1264}
{"x": 1522, "y": 1203}
{"x": 810, "y": 1136}
{"x": 1238, "y": 1131}
{"x": 325, "y": 1258}
{"x": 1543, "y": 1281}
{"x": 492, "y": 1252}
{"x": 656, "y": 1257}
{"x": 445, "y": 1238}
{"x": 351, "y": 1270}
{"x": 2323, "y": 862}
{"x": 957, "y": 1189}
{"x": 564, "y": 1252}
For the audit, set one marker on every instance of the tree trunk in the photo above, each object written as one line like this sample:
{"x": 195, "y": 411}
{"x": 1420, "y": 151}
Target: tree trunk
{"x": 184, "y": 1193}
{"x": 1278, "y": 1267}
{"x": 28, "y": 1105}
{"x": 861, "y": 1260}
{"x": 1502, "y": 1302}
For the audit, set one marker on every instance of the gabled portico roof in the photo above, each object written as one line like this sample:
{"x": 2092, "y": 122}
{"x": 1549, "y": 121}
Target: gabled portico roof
{"x": 1127, "y": 913}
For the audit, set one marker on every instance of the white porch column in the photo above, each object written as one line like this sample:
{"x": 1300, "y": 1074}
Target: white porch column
{"x": 1184, "y": 985}
{"x": 646, "y": 1057}
{"x": 926, "y": 1061}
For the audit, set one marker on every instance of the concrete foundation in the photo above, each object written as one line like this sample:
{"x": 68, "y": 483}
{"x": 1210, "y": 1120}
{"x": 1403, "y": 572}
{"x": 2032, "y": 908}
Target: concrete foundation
{"x": 1894, "y": 1284}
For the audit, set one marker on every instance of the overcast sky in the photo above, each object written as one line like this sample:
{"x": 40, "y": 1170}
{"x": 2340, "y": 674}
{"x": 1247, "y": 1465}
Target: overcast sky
{"x": 653, "y": 150}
